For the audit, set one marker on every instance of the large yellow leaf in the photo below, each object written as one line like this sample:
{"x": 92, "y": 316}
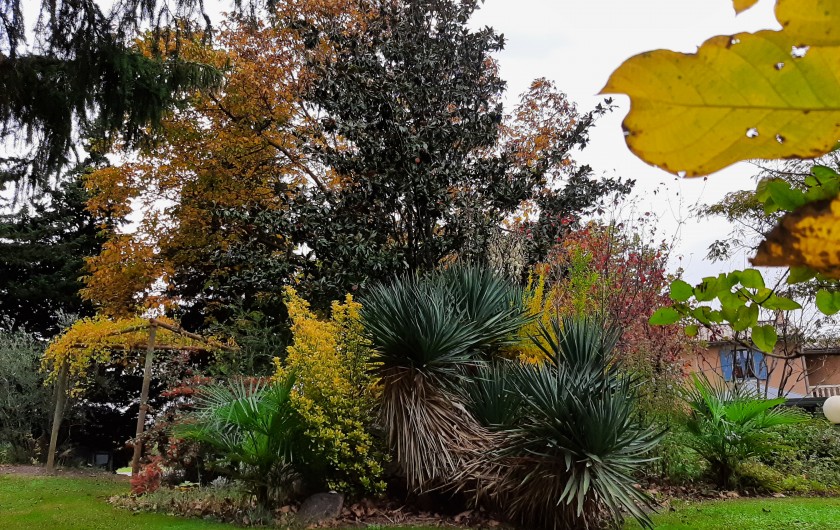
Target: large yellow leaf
{"x": 743, "y": 5}
{"x": 815, "y": 22}
{"x": 809, "y": 236}
{"x": 748, "y": 96}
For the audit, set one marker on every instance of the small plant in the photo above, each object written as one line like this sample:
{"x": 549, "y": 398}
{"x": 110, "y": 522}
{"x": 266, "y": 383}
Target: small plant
{"x": 254, "y": 429}
{"x": 148, "y": 479}
{"x": 729, "y": 425}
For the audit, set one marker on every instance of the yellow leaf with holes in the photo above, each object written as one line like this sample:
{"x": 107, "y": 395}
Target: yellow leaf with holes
{"x": 809, "y": 236}
{"x": 743, "y": 5}
{"x": 742, "y": 97}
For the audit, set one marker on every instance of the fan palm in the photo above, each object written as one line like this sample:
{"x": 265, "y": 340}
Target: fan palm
{"x": 253, "y": 426}
{"x": 727, "y": 425}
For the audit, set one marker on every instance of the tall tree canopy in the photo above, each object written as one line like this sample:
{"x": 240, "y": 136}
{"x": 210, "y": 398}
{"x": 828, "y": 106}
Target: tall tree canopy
{"x": 77, "y": 69}
{"x": 352, "y": 141}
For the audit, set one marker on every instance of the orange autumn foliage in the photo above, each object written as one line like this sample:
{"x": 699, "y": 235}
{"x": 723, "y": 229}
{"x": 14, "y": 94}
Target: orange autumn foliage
{"x": 236, "y": 149}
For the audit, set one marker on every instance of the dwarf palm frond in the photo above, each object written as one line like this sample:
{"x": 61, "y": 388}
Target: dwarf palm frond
{"x": 254, "y": 427}
{"x": 727, "y": 425}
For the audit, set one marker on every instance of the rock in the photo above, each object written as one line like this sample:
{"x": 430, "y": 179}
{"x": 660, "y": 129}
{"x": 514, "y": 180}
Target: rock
{"x": 319, "y": 508}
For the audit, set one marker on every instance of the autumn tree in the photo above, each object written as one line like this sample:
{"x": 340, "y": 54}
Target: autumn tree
{"x": 618, "y": 271}
{"x": 326, "y": 161}
{"x": 225, "y": 154}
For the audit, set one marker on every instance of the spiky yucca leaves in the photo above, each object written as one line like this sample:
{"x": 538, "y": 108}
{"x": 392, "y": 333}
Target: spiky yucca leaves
{"x": 492, "y": 394}
{"x": 429, "y": 333}
{"x": 582, "y": 344}
{"x": 487, "y": 301}
{"x": 729, "y": 425}
{"x": 572, "y": 449}
{"x": 254, "y": 427}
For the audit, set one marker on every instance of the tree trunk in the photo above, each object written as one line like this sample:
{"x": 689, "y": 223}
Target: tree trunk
{"x": 60, "y": 402}
{"x": 144, "y": 400}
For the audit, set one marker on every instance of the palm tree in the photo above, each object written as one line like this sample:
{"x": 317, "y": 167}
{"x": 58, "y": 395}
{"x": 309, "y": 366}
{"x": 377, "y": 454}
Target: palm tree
{"x": 429, "y": 334}
{"x": 254, "y": 427}
{"x": 727, "y": 425}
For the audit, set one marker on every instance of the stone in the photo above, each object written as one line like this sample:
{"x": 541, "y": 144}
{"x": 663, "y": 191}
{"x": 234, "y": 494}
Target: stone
{"x": 319, "y": 508}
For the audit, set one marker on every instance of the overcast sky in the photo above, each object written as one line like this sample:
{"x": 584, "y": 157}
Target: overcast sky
{"x": 579, "y": 43}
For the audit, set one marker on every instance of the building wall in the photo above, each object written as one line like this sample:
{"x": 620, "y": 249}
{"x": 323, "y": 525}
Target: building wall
{"x": 823, "y": 369}
{"x": 708, "y": 362}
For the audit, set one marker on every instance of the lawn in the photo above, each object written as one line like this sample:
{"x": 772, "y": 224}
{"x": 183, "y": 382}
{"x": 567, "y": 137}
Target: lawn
{"x": 28, "y": 502}
{"x": 79, "y": 503}
{"x": 65, "y": 503}
{"x": 751, "y": 514}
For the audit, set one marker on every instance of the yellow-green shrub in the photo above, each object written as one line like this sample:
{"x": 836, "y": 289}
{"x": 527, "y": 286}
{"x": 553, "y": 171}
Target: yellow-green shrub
{"x": 542, "y": 299}
{"x": 333, "y": 393}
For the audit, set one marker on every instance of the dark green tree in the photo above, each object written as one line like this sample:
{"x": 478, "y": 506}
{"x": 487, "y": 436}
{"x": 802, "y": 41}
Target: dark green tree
{"x": 42, "y": 251}
{"x": 412, "y": 127}
{"x": 80, "y": 72}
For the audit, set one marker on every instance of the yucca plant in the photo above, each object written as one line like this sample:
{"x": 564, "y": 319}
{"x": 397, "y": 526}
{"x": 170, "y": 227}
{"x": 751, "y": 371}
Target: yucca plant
{"x": 430, "y": 333}
{"x": 571, "y": 453}
{"x": 254, "y": 428}
{"x": 487, "y": 301}
{"x": 728, "y": 425}
{"x": 492, "y": 394}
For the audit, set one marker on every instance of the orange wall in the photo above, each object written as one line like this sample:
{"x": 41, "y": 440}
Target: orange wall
{"x": 708, "y": 362}
{"x": 823, "y": 369}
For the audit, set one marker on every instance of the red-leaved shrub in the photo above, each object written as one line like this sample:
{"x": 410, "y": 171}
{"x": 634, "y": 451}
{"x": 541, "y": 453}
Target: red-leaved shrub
{"x": 148, "y": 478}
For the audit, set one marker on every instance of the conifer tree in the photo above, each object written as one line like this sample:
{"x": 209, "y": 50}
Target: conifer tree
{"x": 42, "y": 251}
{"x": 78, "y": 74}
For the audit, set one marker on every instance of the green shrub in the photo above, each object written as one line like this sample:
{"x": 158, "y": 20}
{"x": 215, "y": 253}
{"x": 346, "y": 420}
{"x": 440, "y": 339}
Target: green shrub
{"x": 808, "y": 455}
{"x": 753, "y": 474}
{"x": 673, "y": 461}
{"x": 727, "y": 426}
{"x": 25, "y": 404}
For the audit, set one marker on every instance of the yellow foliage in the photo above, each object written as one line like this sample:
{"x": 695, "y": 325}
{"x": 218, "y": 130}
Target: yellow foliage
{"x": 103, "y": 340}
{"x": 769, "y": 94}
{"x": 120, "y": 278}
{"x": 333, "y": 392}
{"x": 576, "y": 293}
{"x": 538, "y": 305}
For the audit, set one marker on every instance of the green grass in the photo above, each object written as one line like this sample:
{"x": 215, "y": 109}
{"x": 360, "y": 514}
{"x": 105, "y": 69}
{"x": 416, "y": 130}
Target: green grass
{"x": 64, "y": 503}
{"x": 751, "y": 514}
